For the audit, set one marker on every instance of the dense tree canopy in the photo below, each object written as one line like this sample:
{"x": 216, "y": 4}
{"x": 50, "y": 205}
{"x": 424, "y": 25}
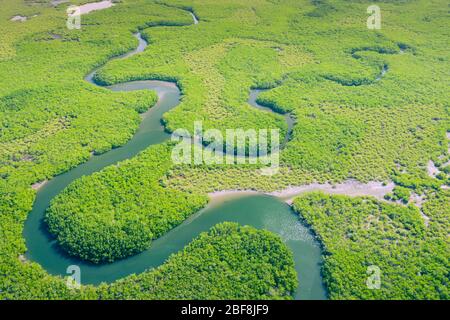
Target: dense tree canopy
{"x": 361, "y": 232}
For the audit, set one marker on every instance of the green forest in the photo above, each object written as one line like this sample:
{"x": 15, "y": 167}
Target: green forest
{"x": 360, "y": 232}
{"x": 368, "y": 105}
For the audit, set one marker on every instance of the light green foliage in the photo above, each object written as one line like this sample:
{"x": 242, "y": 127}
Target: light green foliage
{"x": 349, "y": 122}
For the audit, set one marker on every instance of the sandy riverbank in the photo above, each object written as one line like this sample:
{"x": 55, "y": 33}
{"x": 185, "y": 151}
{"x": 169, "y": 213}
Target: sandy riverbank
{"x": 349, "y": 188}
{"x": 38, "y": 185}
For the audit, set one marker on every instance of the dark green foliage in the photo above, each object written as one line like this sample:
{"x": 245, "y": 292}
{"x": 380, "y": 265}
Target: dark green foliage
{"x": 228, "y": 262}
{"x": 361, "y": 232}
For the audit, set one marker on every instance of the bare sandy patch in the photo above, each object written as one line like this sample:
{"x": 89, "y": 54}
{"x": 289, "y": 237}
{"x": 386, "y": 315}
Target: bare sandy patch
{"x": 350, "y": 188}
{"x": 39, "y": 185}
{"x": 19, "y": 18}
{"x": 93, "y": 6}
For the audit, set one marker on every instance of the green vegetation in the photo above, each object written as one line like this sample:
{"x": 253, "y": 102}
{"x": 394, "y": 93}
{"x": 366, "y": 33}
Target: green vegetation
{"x": 48, "y": 123}
{"x": 229, "y": 262}
{"x": 360, "y": 232}
{"x": 348, "y": 124}
{"x": 323, "y": 67}
{"x": 116, "y": 212}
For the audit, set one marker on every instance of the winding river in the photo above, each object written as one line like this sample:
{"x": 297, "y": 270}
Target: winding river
{"x": 260, "y": 211}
